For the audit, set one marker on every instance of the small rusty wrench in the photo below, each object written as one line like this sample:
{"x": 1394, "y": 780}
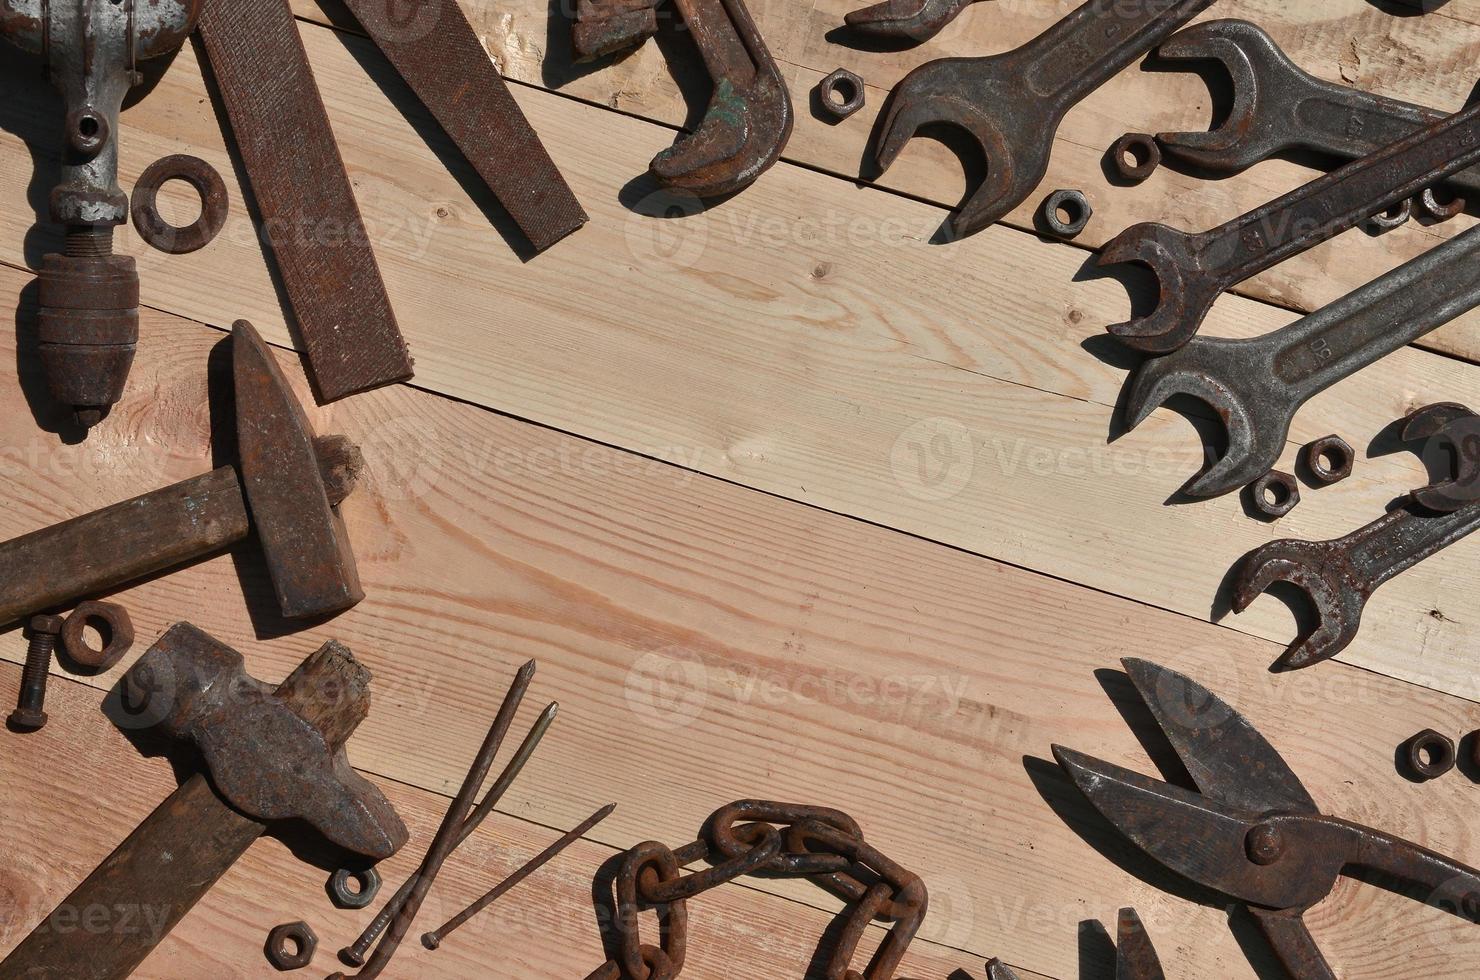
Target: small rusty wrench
{"x": 749, "y": 117}
{"x": 1278, "y": 106}
{"x": 1194, "y": 269}
{"x": 1012, "y": 103}
{"x": 1340, "y": 576}
{"x": 906, "y": 20}
{"x": 1256, "y": 385}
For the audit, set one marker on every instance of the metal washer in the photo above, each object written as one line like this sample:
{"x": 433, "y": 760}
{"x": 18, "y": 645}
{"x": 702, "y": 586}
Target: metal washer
{"x": 213, "y": 204}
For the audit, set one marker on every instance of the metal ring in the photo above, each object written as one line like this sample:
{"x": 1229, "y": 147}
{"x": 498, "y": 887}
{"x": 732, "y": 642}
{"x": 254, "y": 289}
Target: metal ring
{"x": 1077, "y": 212}
{"x": 366, "y": 886}
{"x": 213, "y": 204}
{"x": 112, "y": 623}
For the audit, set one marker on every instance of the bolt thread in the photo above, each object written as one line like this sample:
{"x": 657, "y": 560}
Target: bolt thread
{"x": 86, "y": 242}
{"x": 37, "y": 666}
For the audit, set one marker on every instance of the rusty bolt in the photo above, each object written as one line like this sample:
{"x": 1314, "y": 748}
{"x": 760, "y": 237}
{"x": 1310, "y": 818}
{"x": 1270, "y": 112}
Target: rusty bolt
{"x": 366, "y": 884}
{"x": 1428, "y": 754}
{"x": 43, "y": 631}
{"x": 1067, "y": 212}
{"x": 1329, "y": 459}
{"x": 1275, "y": 494}
{"x": 1264, "y": 845}
{"x": 291, "y": 945}
{"x": 841, "y": 94}
{"x": 112, "y": 624}
{"x": 1135, "y": 156}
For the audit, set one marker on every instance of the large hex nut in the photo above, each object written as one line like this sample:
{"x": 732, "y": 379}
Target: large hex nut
{"x": 841, "y": 94}
{"x": 1329, "y": 459}
{"x": 1274, "y": 494}
{"x": 1428, "y": 754}
{"x": 1135, "y": 156}
{"x": 291, "y": 946}
{"x": 112, "y": 623}
{"x": 1067, "y": 212}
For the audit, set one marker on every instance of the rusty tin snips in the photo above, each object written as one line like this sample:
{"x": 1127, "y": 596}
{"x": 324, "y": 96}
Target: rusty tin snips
{"x": 1250, "y": 830}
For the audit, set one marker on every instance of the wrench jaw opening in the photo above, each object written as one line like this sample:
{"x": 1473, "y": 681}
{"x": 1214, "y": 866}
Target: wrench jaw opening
{"x": 1248, "y": 135}
{"x": 1312, "y": 567}
{"x": 742, "y": 136}
{"x": 1182, "y": 301}
{"x": 1459, "y": 428}
{"x": 906, "y": 20}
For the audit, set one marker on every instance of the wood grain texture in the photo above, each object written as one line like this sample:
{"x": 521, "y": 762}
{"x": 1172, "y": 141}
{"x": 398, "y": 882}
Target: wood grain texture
{"x": 1379, "y": 47}
{"x": 709, "y": 643}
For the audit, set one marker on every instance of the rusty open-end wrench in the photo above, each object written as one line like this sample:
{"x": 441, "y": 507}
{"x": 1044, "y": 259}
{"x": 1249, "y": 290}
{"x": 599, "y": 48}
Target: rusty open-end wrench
{"x": 1194, "y": 269}
{"x": 1012, "y": 103}
{"x": 1340, "y": 576}
{"x": 1278, "y": 107}
{"x": 906, "y": 20}
{"x": 1256, "y": 385}
{"x": 749, "y": 117}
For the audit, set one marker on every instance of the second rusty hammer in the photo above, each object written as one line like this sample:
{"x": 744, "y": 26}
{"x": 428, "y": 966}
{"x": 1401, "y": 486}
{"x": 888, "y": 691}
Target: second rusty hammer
{"x": 286, "y": 486}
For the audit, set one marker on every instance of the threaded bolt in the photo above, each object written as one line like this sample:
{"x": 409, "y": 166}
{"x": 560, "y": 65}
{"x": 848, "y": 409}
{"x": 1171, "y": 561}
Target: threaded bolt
{"x": 89, "y": 242}
{"x": 28, "y": 715}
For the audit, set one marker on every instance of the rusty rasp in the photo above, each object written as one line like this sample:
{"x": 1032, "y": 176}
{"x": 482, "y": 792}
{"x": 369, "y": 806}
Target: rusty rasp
{"x": 437, "y": 53}
{"x": 297, "y": 178}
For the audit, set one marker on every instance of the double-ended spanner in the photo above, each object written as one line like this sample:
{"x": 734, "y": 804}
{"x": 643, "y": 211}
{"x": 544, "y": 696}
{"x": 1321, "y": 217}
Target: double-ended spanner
{"x": 1194, "y": 269}
{"x": 1339, "y": 576}
{"x": 1012, "y": 103}
{"x": 1279, "y": 107}
{"x": 1256, "y": 385}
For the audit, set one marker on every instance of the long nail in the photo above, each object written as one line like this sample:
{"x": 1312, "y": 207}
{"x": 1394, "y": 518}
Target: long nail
{"x": 355, "y": 954}
{"x": 432, "y": 940}
{"x": 447, "y": 833}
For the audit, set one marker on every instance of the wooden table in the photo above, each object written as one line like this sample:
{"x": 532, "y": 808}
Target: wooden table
{"x": 788, "y": 502}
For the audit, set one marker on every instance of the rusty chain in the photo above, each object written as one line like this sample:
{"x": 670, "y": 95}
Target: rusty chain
{"x": 757, "y": 837}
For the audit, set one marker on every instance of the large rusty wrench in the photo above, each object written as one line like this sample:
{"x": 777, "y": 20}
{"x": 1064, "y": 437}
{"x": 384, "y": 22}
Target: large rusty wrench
{"x": 1193, "y": 270}
{"x": 749, "y": 117}
{"x": 1340, "y": 576}
{"x": 1012, "y": 103}
{"x": 1256, "y": 385}
{"x": 1278, "y": 107}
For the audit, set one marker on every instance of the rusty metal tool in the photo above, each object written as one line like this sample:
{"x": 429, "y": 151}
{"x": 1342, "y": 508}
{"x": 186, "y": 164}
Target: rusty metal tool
{"x": 89, "y": 297}
{"x": 1250, "y": 830}
{"x": 286, "y": 486}
{"x": 906, "y": 20}
{"x": 1135, "y": 956}
{"x": 1194, "y": 269}
{"x": 1256, "y": 385}
{"x": 1339, "y": 576}
{"x": 1012, "y": 103}
{"x": 449, "y": 833}
{"x": 270, "y": 754}
{"x": 1452, "y": 428}
{"x": 433, "y": 939}
{"x": 749, "y": 117}
{"x": 1278, "y": 107}
{"x": 354, "y": 954}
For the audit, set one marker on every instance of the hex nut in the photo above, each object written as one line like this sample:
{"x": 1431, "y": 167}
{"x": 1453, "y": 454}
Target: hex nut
{"x": 1275, "y": 494}
{"x": 1428, "y": 755}
{"x": 291, "y": 945}
{"x": 842, "y": 94}
{"x": 1394, "y": 217}
{"x": 357, "y": 895}
{"x": 1329, "y": 459}
{"x": 1067, "y": 212}
{"x": 112, "y": 623}
{"x": 1135, "y": 156}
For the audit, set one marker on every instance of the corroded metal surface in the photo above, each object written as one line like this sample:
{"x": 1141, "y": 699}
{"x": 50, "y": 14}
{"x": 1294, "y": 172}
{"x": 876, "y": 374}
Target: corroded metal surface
{"x": 1250, "y": 831}
{"x": 113, "y": 625}
{"x": 1339, "y": 576}
{"x": 276, "y": 753}
{"x": 906, "y": 20}
{"x": 214, "y": 204}
{"x": 1012, "y": 103}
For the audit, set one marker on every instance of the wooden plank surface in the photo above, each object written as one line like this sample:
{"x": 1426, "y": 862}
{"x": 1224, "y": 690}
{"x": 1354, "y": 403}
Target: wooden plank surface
{"x": 709, "y": 643}
{"x": 825, "y": 360}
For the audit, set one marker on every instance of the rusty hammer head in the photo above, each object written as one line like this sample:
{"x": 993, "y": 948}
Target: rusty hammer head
{"x": 273, "y": 754}
{"x": 294, "y": 484}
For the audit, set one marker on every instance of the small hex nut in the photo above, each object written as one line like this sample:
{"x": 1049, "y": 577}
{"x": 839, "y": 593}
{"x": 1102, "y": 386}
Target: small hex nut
{"x": 366, "y": 884}
{"x": 291, "y": 946}
{"x": 841, "y": 93}
{"x": 1275, "y": 494}
{"x": 1329, "y": 459}
{"x": 1135, "y": 156}
{"x": 1429, "y": 755}
{"x": 1067, "y": 212}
